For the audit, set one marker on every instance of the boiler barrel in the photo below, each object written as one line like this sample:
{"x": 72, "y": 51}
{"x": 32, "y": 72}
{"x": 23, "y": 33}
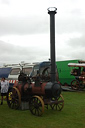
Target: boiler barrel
{"x": 48, "y": 89}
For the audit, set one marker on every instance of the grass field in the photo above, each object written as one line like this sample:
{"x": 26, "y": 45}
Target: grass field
{"x": 71, "y": 116}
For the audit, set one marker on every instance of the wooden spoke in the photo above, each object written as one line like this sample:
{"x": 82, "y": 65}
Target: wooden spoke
{"x": 75, "y": 84}
{"x": 36, "y": 105}
{"x": 59, "y": 104}
{"x": 14, "y": 98}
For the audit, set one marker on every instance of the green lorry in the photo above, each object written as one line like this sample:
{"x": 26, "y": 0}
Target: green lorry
{"x": 65, "y": 77}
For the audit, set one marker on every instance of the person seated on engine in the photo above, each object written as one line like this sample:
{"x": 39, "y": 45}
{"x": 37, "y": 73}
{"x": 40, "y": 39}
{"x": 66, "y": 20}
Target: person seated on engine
{"x": 22, "y": 77}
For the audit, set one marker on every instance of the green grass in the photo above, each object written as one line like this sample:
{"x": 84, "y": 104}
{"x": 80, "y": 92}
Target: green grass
{"x": 71, "y": 116}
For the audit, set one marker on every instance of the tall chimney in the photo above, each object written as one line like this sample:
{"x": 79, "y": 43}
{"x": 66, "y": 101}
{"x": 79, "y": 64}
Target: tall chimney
{"x": 52, "y": 12}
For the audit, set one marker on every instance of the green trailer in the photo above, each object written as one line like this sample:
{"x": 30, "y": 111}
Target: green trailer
{"x": 65, "y": 77}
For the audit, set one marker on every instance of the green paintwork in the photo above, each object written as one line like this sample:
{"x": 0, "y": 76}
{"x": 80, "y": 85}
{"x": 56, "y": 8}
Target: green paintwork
{"x": 64, "y": 71}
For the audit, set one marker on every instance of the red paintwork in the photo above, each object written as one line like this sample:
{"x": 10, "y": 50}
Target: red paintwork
{"x": 39, "y": 90}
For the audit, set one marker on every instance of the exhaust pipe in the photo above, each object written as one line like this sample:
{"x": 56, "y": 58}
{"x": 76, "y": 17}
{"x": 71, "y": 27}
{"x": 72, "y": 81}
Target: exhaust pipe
{"x": 52, "y": 12}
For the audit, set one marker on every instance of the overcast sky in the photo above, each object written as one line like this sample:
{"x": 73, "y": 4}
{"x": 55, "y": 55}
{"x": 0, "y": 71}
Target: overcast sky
{"x": 25, "y": 30}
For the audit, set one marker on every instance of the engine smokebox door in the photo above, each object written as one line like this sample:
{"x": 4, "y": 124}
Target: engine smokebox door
{"x": 52, "y": 90}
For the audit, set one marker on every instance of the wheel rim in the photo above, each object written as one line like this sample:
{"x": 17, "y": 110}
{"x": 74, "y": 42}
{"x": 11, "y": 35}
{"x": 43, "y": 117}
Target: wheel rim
{"x": 36, "y": 106}
{"x": 75, "y": 84}
{"x": 14, "y": 98}
{"x": 59, "y": 105}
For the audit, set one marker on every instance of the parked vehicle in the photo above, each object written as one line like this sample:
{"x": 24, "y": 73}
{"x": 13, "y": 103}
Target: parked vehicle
{"x": 37, "y": 90}
{"x": 77, "y": 70}
{"x": 63, "y": 71}
{"x": 44, "y": 71}
{"x": 4, "y": 72}
{"x": 12, "y": 71}
{"x": 15, "y": 71}
{"x": 40, "y": 91}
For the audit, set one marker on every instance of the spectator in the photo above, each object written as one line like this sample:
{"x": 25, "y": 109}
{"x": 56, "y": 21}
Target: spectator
{"x": 4, "y": 88}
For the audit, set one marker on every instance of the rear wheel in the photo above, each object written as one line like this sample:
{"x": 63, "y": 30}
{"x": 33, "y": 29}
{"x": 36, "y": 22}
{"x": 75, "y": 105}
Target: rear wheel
{"x": 59, "y": 103}
{"x": 75, "y": 84}
{"x": 13, "y": 98}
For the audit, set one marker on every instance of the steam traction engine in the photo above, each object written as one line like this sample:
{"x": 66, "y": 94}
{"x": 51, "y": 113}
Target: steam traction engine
{"x": 37, "y": 91}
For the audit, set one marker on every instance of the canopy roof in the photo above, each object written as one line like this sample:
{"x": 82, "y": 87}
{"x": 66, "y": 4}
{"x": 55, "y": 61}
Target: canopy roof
{"x": 76, "y": 64}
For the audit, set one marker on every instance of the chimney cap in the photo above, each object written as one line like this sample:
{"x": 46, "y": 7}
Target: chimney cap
{"x": 52, "y": 9}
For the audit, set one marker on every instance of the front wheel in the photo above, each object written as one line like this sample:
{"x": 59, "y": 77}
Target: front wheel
{"x": 36, "y": 106}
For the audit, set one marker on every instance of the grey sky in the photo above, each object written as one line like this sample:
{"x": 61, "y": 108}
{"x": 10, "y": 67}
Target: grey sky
{"x": 24, "y": 30}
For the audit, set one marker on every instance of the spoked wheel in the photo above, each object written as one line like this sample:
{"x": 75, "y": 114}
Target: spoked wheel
{"x": 75, "y": 84}
{"x": 14, "y": 98}
{"x": 36, "y": 106}
{"x": 59, "y": 103}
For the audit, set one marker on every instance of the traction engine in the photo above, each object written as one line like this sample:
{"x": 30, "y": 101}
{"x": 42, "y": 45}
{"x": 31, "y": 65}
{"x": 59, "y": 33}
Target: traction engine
{"x": 39, "y": 91}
